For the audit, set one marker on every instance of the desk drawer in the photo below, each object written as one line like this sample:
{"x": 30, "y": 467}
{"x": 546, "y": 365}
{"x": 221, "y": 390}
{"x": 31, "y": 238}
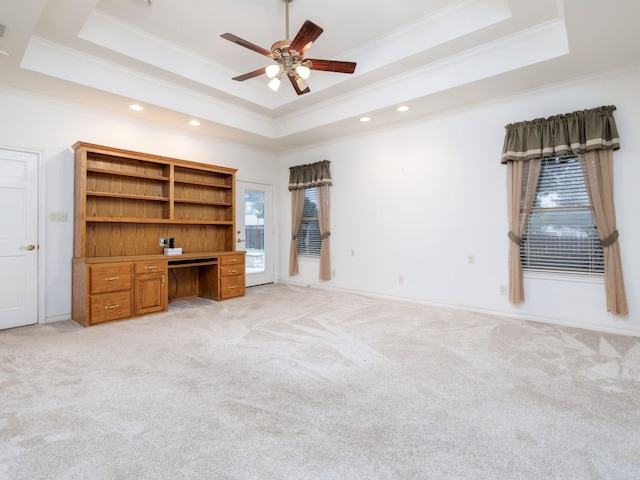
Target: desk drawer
{"x": 233, "y": 286}
{"x": 231, "y": 270}
{"x": 231, "y": 260}
{"x": 152, "y": 266}
{"x": 110, "y": 306}
{"x": 110, "y": 277}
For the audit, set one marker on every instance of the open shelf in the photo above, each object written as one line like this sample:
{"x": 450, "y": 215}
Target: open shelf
{"x": 103, "y": 171}
{"x": 119, "y": 189}
{"x": 127, "y": 195}
{"x": 157, "y": 220}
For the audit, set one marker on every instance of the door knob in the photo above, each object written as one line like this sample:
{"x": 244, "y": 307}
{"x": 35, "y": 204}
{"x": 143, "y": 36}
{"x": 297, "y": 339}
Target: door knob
{"x": 28, "y": 247}
{"x": 240, "y": 240}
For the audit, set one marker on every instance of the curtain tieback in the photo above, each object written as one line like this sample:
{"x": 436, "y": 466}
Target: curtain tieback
{"x": 610, "y": 240}
{"x": 293, "y": 237}
{"x": 325, "y": 235}
{"x": 514, "y": 238}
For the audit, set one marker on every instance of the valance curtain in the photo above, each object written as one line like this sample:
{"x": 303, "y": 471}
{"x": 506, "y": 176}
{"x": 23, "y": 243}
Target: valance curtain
{"x": 590, "y": 134}
{"x": 311, "y": 175}
{"x": 571, "y": 133}
{"x": 315, "y": 175}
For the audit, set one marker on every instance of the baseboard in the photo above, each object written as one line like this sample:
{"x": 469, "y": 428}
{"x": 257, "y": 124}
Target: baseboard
{"x": 57, "y": 318}
{"x": 497, "y": 313}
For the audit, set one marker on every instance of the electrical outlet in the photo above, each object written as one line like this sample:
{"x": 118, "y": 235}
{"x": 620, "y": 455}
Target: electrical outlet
{"x": 502, "y": 290}
{"x": 58, "y": 216}
{"x": 400, "y": 279}
{"x": 471, "y": 259}
{"x": 164, "y": 241}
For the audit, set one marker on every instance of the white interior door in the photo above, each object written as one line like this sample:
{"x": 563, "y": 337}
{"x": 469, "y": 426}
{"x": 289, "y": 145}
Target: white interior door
{"x": 254, "y": 230}
{"x": 18, "y": 238}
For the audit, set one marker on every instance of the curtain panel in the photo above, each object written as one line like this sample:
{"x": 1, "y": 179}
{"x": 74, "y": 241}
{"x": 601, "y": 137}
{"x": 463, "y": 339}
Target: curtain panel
{"x": 314, "y": 175}
{"x": 592, "y": 135}
{"x": 572, "y": 133}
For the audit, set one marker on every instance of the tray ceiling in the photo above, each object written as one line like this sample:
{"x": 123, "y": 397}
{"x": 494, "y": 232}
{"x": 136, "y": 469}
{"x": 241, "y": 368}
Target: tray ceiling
{"x": 433, "y": 55}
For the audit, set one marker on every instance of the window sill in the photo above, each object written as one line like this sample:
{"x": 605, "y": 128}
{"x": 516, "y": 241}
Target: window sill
{"x": 565, "y": 277}
{"x": 308, "y": 257}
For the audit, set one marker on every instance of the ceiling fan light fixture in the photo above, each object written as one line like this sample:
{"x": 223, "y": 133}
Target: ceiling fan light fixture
{"x": 303, "y": 71}
{"x": 274, "y": 84}
{"x": 272, "y": 70}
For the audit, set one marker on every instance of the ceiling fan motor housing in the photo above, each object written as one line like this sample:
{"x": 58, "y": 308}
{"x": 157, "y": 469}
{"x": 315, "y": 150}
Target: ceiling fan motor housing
{"x": 288, "y": 59}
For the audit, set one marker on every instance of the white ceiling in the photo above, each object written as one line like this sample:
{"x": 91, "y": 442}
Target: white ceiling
{"x": 433, "y": 55}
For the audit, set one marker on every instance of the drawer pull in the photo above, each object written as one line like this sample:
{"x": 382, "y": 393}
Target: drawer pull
{"x": 111, "y": 279}
{"x": 163, "y": 279}
{"x": 151, "y": 267}
{"x": 111, "y": 307}
{"x": 233, "y": 260}
{"x": 233, "y": 271}
{"x": 233, "y": 286}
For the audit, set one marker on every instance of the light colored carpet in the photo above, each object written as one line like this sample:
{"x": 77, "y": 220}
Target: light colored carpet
{"x": 295, "y": 383}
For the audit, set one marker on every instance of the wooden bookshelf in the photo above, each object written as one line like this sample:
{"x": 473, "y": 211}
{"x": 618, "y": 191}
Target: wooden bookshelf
{"x": 124, "y": 203}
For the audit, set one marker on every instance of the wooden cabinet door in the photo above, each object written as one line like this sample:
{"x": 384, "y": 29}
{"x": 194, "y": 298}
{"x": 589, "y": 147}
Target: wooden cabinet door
{"x": 149, "y": 293}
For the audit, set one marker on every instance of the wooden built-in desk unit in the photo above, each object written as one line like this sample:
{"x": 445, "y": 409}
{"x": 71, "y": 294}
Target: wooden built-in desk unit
{"x": 125, "y": 202}
{"x": 113, "y": 288}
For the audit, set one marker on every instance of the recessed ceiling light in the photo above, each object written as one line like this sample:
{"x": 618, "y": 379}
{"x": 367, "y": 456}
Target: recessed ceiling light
{"x": 4, "y": 52}
{"x": 136, "y": 107}
{"x": 403, "y": 108}
{"x": 194, "y": 123}
{"x": 365, "y": 119}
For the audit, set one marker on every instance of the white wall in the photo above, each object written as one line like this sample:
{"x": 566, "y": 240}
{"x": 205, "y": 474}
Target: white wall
{"x": 417, "y": 200}
{"x": 52, "y": 127}
{"x": 414, "y": 201}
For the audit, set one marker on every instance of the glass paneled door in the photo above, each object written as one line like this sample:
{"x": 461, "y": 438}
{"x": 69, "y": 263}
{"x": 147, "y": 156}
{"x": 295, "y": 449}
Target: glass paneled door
{"x": 254, "y": 230}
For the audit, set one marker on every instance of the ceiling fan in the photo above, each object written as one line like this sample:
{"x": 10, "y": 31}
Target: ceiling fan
{"x": 289, "y": 57}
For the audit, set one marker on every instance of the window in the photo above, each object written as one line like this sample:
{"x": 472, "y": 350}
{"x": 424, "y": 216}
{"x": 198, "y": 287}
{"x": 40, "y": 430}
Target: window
{"x": 308, "y": 239}
{"x": 561, "y": 234}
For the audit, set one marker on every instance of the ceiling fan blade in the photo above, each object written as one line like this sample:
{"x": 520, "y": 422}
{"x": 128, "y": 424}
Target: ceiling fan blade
{"x": 331, "y": 65}
{"x": 249, "y": 75}
{"x": 309, "y": 33}
{"x": 296, "y": 87}
{"x": 243, "y": 43}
